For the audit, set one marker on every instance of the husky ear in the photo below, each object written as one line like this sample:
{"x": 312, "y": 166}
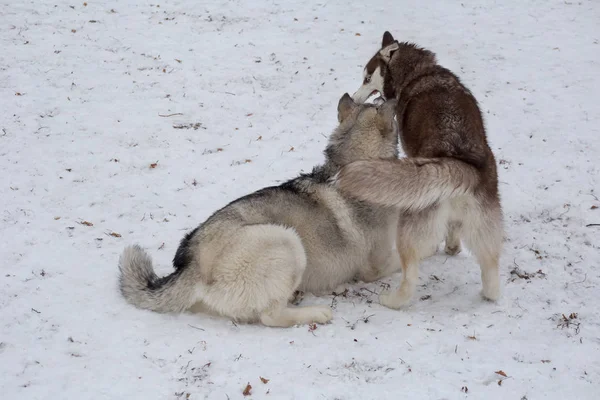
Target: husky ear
{"x": 387, "y": 52}
{"x": 345, "y": 107}
{"x": 387, "y": 39}
{"x": 386, "y": 114}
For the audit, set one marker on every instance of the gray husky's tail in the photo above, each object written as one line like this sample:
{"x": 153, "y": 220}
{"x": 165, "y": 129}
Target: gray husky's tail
{"x": 411, "y": 184}
{"x": 141, "y": 287}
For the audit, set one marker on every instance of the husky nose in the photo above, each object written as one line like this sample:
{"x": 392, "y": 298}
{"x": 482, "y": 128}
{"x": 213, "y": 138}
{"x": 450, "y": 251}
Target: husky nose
{"x": 360, "y": 96}
{"x": 363, "y": 94}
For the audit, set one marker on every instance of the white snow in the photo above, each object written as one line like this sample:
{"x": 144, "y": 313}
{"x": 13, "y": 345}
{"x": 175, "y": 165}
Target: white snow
{"x": 85, "y": 91}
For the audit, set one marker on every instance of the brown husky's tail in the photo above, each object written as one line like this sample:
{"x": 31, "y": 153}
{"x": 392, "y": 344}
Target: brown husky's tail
{"x": 411, "y": 184}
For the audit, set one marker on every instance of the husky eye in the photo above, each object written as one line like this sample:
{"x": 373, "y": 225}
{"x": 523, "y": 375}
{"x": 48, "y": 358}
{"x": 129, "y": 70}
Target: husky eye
{"x": 367, "y": 79}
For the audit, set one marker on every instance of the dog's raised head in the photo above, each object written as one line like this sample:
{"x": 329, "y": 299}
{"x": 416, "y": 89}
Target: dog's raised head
{"x": 365, "y": 132}
{"x": 389, "y": 67}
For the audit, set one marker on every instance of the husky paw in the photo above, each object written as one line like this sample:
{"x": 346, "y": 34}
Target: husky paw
{"x": 393, "y": 299}
{"x": 322, "y": 314}
{"x": 491, "y": 294}
{"x": 452, "y": 250}
{"x": 490, "y": 282}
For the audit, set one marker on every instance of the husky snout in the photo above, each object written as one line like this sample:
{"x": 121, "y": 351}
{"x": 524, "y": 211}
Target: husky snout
{"x": 363, "y": 93}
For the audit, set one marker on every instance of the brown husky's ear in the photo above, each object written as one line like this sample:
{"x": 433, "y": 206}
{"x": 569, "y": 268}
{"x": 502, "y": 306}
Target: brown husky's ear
{"x": 387, "y": 52}
{"x": 345, "y": 107}
{"x": 386, "y": 114}
{"x": 387, "y": 39}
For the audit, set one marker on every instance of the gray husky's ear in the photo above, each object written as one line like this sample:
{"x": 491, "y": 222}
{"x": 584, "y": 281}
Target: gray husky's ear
{"x": 345, "y": 107}
{"x": 387, "y": 39}
{"x": 387, "y": 52}
{"x": 386, "y": 114}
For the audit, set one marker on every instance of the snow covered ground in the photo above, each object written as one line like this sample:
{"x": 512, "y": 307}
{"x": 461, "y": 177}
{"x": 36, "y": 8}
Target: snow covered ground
{"x": 131, "y": 122}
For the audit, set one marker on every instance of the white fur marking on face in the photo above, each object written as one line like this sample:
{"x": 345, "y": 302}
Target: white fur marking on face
{"x": 375, "y": 84}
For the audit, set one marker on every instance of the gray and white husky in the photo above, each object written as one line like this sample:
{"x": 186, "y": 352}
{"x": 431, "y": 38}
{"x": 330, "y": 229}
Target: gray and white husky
{"x": 246, "y": 260}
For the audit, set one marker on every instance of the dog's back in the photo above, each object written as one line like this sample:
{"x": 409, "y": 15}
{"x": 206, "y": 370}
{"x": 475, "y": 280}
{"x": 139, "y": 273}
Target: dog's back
{"x": 441, "y": 118}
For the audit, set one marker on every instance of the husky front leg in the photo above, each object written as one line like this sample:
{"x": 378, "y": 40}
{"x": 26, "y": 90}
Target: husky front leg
{"x": 418, "y": 234}
{"x": 383, "y": 261}
{"x": 410, "y": 276}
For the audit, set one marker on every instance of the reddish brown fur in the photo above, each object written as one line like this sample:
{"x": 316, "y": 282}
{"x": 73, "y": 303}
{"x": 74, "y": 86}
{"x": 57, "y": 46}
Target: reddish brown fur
{"x": 439, "y": 119}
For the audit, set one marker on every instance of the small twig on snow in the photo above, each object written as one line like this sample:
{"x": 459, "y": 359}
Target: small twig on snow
{"x": 195, "y": 327}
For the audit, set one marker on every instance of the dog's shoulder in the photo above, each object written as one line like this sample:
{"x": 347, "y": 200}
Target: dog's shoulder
{"x": 308, "y": 183}
{"x": 434, "y": 79}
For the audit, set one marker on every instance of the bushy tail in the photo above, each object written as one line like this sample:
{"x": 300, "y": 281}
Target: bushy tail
{"x": 141, "y": 287}
{"x": 411, "y": 184}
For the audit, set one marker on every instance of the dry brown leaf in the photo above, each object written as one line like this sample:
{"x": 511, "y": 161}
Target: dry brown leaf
{"x": 85, "y": 4}
{"x": 259, "y": 138}
{"x": 164, "y": 70}
{"x": 219, "y": 149}
{"x": 312, "y": 327}
{"x": 291, "y": 149}
{"x": 471, "y": 337}
{"x": 179, "y": 61}
{"x": 247, "y": 161}
{"x": 249, "y": 115}
{"x": 18, "y": 94}
{"x": 86, "y": 223}
{"x": 153, "y": 165}
{"x": 264, "y": 380}
{"x": 248, "y": 390}
{"x": 501, "y": 373}
{"x": 56, "y": 218}
{"x": 115, "y": 234}
{"x": 73, "y": 30}
{"x": 545, "y": 361}
{"x": 357, "y": 34}
{"x": 594, "y": 207}
{"x": 500, "y": 382}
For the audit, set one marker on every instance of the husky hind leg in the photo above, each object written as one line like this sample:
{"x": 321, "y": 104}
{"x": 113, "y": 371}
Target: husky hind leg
{"x": 283, "y": 316}
{"x": 483, "y": 237}
{"x": 256, "y": 276}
